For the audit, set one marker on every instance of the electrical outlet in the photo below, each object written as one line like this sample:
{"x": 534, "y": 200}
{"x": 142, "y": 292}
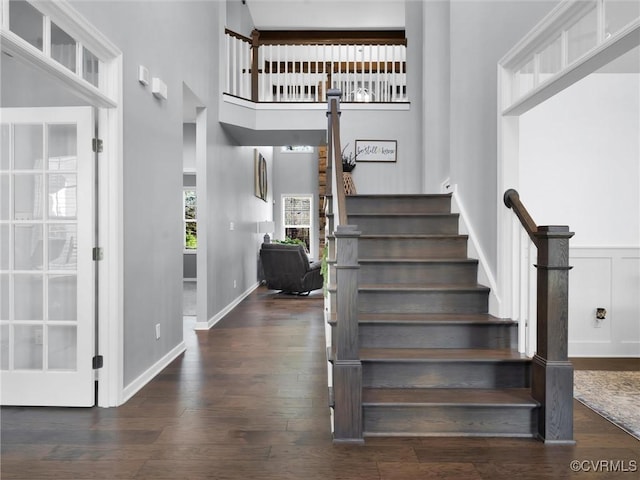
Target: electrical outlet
{"x": 231, "y": 226}
{"x": 39, "y": 340}
{"x": 235, "y": 284}
{"x": 157, "y": 331}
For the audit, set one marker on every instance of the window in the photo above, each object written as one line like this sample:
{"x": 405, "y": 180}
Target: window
{"x": 190, "y": 219}
{"x": 297, "y": 217}
{"x": 297, "y": 149}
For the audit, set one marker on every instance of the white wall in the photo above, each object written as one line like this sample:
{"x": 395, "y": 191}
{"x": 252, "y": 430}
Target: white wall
{"x": 481, "y": 32}
{"x": 580, "y": 166}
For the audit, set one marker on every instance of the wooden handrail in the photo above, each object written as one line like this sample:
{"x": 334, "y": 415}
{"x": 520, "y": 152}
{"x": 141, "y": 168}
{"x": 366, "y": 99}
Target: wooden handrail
{"x": 237, "y": 35}
{"x": 332, "y": 37}
{"x": 336, "y": 155}
{"x": 512, "y": 200}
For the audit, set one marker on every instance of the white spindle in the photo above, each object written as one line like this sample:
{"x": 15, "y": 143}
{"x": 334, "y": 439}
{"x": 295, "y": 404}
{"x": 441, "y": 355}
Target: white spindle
{"x": 228, "y": 63}
{"x": 378, "y": 74}
{"x": 393, "y": 69}
{"x": 317, "y": 96}
{"x": 278, "y": 77}
{"x": 234, "y": 67}
{"x": 286, "y": 73}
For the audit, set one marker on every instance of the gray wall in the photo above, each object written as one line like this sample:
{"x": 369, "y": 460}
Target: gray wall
{"x": 179, "y": 42}
{"x": 295, "y": 173}
{"x": 406, "y": 175}
{"x": 481, "y": 33}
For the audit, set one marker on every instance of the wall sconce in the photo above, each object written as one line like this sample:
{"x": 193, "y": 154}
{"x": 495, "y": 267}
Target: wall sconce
{"x": 266, "y": 228}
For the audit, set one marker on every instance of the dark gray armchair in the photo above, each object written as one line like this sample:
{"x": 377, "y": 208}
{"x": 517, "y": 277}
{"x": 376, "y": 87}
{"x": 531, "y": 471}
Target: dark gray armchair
{"x": 287, "y": 268}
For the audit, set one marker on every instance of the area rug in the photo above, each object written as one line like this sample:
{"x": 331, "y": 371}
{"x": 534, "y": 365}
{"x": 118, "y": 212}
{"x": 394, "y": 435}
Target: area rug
{"x": 612, "y": 394}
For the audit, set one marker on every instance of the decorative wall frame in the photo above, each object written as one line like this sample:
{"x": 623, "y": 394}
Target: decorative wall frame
{"x": 261, "y": 184}
{"x": 376, "y": 150}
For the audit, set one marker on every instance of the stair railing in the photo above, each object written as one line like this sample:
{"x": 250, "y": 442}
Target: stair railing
{"x": 300, "y": 66}
{"x": 347, "y": 367}
{"x": 552, "y": 372}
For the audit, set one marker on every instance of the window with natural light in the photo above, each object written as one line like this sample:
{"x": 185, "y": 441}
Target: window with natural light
{"x": 297, "y": 217}
{"x": 190, "y": 220}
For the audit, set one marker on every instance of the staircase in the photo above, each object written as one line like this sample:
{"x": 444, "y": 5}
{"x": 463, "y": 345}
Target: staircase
{"x": 433, "y": 361}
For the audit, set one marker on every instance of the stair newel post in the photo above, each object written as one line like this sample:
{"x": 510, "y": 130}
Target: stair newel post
{"x": 347, "y": 368}
{"x": 552, "y": 372}
{"x": 255, "y": 66}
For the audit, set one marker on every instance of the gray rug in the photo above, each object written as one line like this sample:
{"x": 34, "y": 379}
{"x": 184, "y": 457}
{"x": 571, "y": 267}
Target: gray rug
{"x": 614, "y": 395}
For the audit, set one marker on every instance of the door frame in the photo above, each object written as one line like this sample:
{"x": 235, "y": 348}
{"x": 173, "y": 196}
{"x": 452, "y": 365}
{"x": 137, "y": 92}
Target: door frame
{"x": 514, "y": 294}
{"x": 108, "y": 101}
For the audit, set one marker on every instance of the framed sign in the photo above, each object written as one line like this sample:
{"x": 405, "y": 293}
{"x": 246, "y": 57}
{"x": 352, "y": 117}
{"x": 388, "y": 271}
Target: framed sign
{"x": 376, "y": 150}
{"x": 260, "y": 176}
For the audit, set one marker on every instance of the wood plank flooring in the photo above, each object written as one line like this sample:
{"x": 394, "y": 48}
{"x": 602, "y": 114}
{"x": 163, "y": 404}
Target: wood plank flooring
{"x": 248, "y": 400}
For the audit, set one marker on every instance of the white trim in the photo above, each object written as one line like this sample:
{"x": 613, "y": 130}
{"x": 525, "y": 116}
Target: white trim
{"x": 222, "y": 313}
{"x": 111, "y": 220}
{"x": 474, "y": 249}
{"x": 617, "y": 45}
{"x": 17, "y": 47}
{"x": 67, "y": 17}
{"x": 312, "y": 105}
{"x": 135, "y": 386}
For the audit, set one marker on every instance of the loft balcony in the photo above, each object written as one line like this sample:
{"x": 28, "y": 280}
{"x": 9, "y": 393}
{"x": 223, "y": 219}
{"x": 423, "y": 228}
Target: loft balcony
{"x": 275, "y": 73}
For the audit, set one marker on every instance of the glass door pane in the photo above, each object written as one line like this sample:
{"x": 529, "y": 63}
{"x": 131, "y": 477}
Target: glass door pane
{"x": 46, "y": 291}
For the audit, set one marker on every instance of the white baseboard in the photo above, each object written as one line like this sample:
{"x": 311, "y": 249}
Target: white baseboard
{"x": 222, "y": 313}
{"x": 474, "y": 250}
{"x": 135, "y": 386}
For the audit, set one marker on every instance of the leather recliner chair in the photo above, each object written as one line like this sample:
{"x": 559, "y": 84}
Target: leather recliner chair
{"x": 287, "y": 268}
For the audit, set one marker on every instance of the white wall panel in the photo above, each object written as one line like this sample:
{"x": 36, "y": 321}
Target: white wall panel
{"x": 608, "y": 278}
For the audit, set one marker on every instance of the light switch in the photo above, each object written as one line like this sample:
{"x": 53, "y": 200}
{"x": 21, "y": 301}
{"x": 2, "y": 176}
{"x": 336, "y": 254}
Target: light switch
{"x": 143, "y": 75}
{"x": 158, "y": 88}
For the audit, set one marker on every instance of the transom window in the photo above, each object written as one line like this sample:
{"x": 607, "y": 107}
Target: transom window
{"x": 30, "y": 24}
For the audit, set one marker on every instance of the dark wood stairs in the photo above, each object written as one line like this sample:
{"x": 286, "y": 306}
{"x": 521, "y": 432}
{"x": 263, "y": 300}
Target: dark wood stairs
{"x": 434, "y": 361}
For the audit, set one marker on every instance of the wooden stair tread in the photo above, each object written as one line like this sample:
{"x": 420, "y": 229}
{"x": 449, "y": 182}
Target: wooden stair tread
{"x": 418, "y": 260}
{"x": 421, "y": 287}
{"x": 404, "y": 214}
{"x": 508, "y": 397}
{"x": 434, "y": 318}
{"x": 441, "y": 354}
{"x": 429, "y": 319}
{"x": 434, "y": 236}
{"x": 400, "y": 195}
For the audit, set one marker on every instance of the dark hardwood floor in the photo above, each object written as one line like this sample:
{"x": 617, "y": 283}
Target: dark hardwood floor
{"x": 248, "y": 400}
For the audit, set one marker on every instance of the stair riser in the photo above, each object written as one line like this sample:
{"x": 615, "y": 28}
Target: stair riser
{"x": 450, "y": 247}
{"x": 438, "y": 336}
{"x": 451, "y": 420}
{"x": 419, "y": 273}
{"x": 443, "y": 374}
{"x": 445, "y": 225}
{"x": 363, "y": 204}
{"x": 423, "y": 302}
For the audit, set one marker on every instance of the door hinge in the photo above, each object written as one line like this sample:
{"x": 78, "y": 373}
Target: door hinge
{"x": 96, "y": 144}
{"x": 97, "y": 362}
{"x": 98, "y": 254}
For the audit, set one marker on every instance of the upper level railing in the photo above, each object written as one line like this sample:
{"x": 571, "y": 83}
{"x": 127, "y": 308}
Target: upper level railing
{"x": 552, "y": 372}
{"x": 303, "y": 66}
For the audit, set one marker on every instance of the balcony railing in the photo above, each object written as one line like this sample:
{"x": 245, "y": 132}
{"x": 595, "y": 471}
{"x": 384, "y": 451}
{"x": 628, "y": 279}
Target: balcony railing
{"x": 369, "y": 67}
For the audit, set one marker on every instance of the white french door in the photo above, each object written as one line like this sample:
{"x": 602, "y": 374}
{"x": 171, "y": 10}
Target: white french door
{"x": 47, "y": 274}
